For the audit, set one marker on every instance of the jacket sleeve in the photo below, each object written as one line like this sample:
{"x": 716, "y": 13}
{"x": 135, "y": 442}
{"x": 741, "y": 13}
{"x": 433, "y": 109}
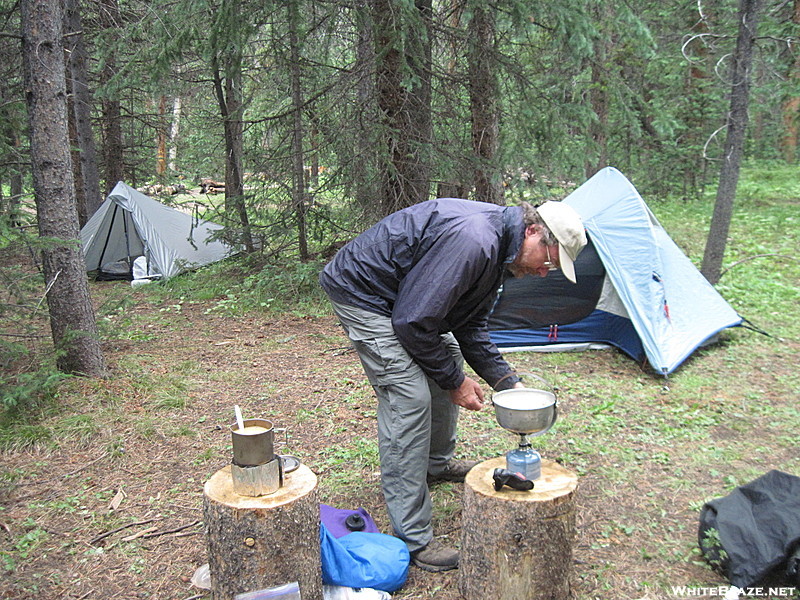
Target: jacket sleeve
{"x": 482, "y": 355}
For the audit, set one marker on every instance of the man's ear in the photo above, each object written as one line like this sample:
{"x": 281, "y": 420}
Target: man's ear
{"x": 532, "y": 229}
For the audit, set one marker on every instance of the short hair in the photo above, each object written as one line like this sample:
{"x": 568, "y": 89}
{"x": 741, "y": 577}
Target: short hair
{"x": 530, "y": 216}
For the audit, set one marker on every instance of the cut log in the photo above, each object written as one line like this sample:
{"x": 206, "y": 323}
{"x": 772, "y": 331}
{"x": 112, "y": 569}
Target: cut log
{"x": 261, "y": 542}
{"x": 517, "y": 545}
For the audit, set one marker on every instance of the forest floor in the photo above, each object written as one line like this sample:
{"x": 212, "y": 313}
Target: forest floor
{"x": 107, "y": 504}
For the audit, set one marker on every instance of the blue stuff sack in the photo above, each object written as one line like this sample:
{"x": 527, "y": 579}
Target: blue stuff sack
{"x": 363, "y": 560}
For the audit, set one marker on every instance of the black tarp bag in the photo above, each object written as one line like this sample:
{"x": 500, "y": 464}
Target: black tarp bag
{"x": 752, "y": 535}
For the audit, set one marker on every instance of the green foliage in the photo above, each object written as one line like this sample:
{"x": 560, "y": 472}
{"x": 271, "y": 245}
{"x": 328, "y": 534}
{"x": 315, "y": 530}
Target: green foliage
{"x": 235, "y": 286}
{"x": 291, "y": 286}
{"x": 28, "y": 389}
{"x": 23, "y": 546}
{"x": 713, "y": 550}
{"x": 29, "y": 375}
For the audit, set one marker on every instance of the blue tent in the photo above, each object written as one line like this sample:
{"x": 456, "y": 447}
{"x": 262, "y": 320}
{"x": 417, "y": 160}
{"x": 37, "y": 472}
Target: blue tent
{"x": 636, "y": 289}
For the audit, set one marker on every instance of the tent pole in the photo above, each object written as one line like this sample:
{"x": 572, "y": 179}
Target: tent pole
{"x": 108, "y": 236}
{"x": 127, "y": 239}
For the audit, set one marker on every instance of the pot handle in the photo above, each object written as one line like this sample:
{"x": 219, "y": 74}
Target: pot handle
{"x": 526, "y": 373}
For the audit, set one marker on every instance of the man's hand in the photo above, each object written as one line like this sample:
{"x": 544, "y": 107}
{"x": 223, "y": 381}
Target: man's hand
{"x": 469, "y": 395}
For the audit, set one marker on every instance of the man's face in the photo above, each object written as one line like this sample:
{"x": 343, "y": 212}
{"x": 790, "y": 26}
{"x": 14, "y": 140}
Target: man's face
{"x": 534, "y": 258}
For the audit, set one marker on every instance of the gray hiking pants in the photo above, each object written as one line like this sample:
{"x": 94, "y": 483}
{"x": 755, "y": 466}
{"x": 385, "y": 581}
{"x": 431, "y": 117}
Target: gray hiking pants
{"x": 416, "y": 420}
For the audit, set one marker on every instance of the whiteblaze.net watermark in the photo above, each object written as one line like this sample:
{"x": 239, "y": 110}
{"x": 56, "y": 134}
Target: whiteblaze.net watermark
{"x": 726, "y": 591}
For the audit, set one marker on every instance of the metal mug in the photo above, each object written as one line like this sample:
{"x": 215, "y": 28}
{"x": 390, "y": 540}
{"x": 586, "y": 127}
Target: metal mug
{"x": 254, "y": 449}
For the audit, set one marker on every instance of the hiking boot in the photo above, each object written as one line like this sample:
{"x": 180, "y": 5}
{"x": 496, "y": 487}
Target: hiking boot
{"x": 435, "y": 557}
{"x": 455, "y": 470}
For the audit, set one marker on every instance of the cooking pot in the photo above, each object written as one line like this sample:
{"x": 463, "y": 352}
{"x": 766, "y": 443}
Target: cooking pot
{"x": 526, "y": 411}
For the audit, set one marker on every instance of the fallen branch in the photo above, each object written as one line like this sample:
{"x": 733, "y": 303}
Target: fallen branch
{"x": 102, "y": 536}
{"x": 89, "y": 464}
{"x": 188, "y": 533}
{"x": 176, "y": 530}
{"x": 140, "y": 534}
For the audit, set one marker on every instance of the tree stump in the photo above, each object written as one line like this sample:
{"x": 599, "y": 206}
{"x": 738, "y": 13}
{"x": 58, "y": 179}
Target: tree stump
{"x": 265, "y": 541}
{"x": 517, "y": 545}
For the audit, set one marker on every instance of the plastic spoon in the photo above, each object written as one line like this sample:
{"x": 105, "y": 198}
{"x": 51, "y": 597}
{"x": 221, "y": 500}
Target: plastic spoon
{"x": 239, "y": 419}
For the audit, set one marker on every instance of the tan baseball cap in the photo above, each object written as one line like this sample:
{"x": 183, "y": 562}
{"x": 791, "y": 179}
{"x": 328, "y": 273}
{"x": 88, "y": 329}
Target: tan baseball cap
{"x": 566, "y": 225}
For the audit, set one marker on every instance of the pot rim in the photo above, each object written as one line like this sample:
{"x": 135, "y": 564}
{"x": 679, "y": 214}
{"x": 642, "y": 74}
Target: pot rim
{"x": 517, "y": 391}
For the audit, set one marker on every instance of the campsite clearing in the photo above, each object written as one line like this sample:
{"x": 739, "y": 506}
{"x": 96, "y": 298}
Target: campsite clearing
{"x": 107, "y": 502}
{"x": 101, "y": 490}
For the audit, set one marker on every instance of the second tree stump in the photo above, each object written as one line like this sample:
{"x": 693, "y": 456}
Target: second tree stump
{"x": 517, "y": 545}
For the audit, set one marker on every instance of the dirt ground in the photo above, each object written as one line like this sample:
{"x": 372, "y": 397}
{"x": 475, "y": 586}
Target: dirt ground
{"x": 117, "y": 511}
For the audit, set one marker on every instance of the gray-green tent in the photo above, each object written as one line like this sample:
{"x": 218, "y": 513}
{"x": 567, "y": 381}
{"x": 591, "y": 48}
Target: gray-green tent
{"x": 129, "y": 224}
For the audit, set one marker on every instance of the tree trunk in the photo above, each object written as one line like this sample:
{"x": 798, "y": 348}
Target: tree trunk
{"x": 403, "y": 75}
{"x": 598, "y": 94}
{"x": 791, "y": 106}
{"x": 734, "y": 142}
{"x": 10, "y": 207}
{"x": 75, "y": 156}
{"x": 161, "y": 138}
{"x": 483, "y": 106}
{"x": 71, "y": 316}
{"x": 299, "y": 188}
{"x": 89, "y": 194}
{"x": 113, "y": 146}
{"x": 228, "y": 90}
{"x": 173, "y": 134}
{"x": 599, "y": 98}
{"x": 364, "y": 161}
{"x": 699, "y": 89}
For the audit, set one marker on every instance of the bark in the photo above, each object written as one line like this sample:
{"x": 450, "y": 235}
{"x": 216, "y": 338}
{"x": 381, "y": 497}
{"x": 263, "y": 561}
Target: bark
{"x": 173, "y": 134}
{"x": 791, "y": 105}
{"x": 113, "y": 145}
{"x": 75, "y": 155}
{"x": 698, "y": 83}
{"x": 403, "y": 76}
{"x": 734, "y": 141}
{"x": 265, "y": 541}
{"x": 90, "y": 197}
{"x": 161, "y": 138}
{"x": 299, "y": 188}
{"x": 72, "y": 319}
{"x": 366, "y": 190}
{"x": 13, "y": 158}
{"x": 518, "y": 545}
{"x": 483, "y": 106}
{"x": 599, "y": 99}
{"x": 228, "y": 90}
{"x": 599, "y": 96}
{"x": 460, "y": 179}
{"x": 10, "y": 205}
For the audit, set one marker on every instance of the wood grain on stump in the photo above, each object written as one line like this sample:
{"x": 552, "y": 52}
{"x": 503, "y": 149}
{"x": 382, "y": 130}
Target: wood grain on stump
{"x": 261, "y": 542}
{"x": 517, "y": 545}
